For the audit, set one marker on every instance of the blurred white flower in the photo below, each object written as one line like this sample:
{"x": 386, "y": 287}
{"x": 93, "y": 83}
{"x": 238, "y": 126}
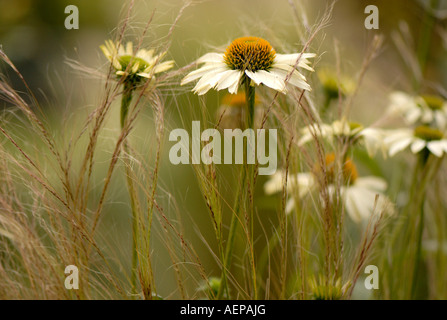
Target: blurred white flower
{"x": 358, "y": 193}
{"x": 371, "y": 137}
{"x": 142, "y": 64}
{"x": 251, "y": 59}
{"x": 426, "y": 109}
{"x": 421, "y": 138}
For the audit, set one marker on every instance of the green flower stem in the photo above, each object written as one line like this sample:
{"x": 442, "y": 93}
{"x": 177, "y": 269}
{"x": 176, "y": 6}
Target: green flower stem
{"x": 418, "y": 257}
{"x": 230, "y": 242}
{"x": 125, "y": 104}
{"x": 250, "y": 92}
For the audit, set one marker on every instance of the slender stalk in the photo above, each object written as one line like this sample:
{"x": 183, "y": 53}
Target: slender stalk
{"x": 230, "y": 242}
{"x": 244, "y": 193}
{"x": 418, "y": 257}
{"x": 125, "y": 104}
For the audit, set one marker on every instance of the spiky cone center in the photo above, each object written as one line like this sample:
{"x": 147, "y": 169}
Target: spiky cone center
{"x": 332, "y": 88}
{"x": 433, "y": 102}
{"x": 131, "y": 66}
{"x": 428, "y": 134}
{"x": 324, "y": 290}
{"x": 249, "y": 53}
{"x": 349, "y": 170}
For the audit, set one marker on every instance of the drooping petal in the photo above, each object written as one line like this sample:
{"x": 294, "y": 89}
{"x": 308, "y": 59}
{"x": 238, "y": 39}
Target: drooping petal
{"x": 362, "y": 200}
{"x": 211, "y": 57}
{"x": 290, "y": 205}
{"x": 306, "y": 183}
{"x": 164, "y": 66}
{"x": 399, "y": 146}
{"x": 208, "y": 81}
{"x": 228, "y": 80}
{"x": 206, "y": 69}
{"x": 275, "y": 183}
{"x": 269, "y": 79}
{"x": 373, "y": 139}
{"x": 291, "y": 59}
{"x": 351, "y": 209}
{"x": 295, "y": 79}
{"x": 441, "y": 119}
{"x": 413, "y": 115}
{"x": 129, "y": 48}
{"x": 418, "y": 145}
{"x": 372, "y": 182}
{"x": 438, "y": 147}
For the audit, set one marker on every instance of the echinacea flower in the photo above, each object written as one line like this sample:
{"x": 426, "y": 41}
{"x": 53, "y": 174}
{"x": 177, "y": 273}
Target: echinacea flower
{"x": 334, "y": 85}
{"x": 425, "y": 109}
{"x": 358, "y": 193}
{"x": 351, "y": 131}
{"x": 137, "y": 66}
{"x": 249, "y": 59}
{"x": 419, "y": 139}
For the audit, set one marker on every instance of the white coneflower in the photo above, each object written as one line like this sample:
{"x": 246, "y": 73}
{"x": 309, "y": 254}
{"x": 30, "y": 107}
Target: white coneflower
{"x": 252, "y": 59}
{"x": 135, "y": 67}
{"x": 358, "y": 193}
{"x": 352, "y": 131}
{"x": 334, "y": 86}
{"x": 425, "y": 109}
{"x": 419, "y": 139}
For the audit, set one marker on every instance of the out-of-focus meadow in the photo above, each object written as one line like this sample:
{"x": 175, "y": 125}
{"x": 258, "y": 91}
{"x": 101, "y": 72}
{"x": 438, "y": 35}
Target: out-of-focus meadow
{"x": 66, "y": 71}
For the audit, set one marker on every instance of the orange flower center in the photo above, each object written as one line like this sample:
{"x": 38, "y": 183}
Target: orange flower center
{"x": 350, "y": 173}
{"x": 249, "y": 53}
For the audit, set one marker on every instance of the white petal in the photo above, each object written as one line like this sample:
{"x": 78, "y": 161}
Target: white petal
{"x": 296, "y": 79}
{"x": 441, "y": 119}
{"x": 372, "y": 182}
{"x": 267, "y": 78}
{"x": 235, "y": 86}
{"x": 399, "y": 146}
{"x": 351, "y": 209}
{"x": 427, "y": 116}
{"x": 291, "y": 59}
{"x": 290, "y": 205}
{"x": 413, "y": 115}
{"x": 208, "y": 68}
{"x": 418, "y": 145}
{"x": 275, "y": 183}
{"x": 129, "y": 48}
{"x": 362, "y": 200}
{"x": 229, "y": 79}
{"x": 161, "y": 67}
{"x": 373, "y": 139}
{"x": 208, "y": 81}
{"x": 437, "y": 147}
{"x": 306, "y": 183}
{"x": 400, "y": 102}
{"x": 211, "y": 57}
{"x": 288, "y": 69}
{"x": 144, "y": 54}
